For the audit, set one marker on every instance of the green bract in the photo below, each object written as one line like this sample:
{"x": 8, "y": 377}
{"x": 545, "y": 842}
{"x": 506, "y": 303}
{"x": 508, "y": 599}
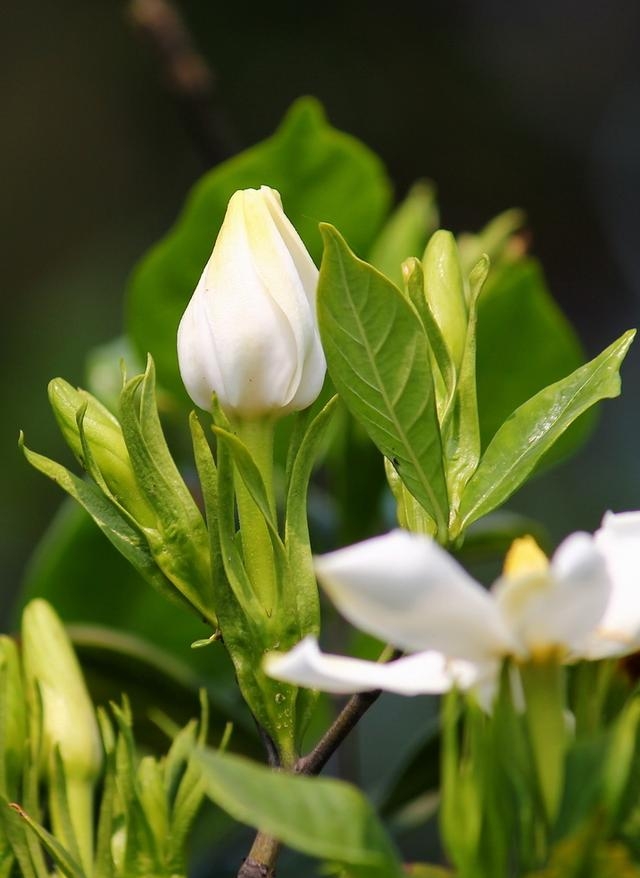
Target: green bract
{"x": 136, "y": 495}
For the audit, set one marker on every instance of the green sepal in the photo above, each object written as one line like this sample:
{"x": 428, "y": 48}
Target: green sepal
{"x": 250, "y": 475}
{"x": 444, "y": 372}
{"x": 461, "y": 429}
{"x": 179, "y": 542}
{"x": 58, "y": 853}
{"x": 445, "y": 291}
{"x": 534, "y": 427}
{"x": 378, "y": 358}
{"x": 60, "y": 809}
{"x": 244, "y": 623}
{"x": 410, "y": 514}
{"x": 303, "y": 590}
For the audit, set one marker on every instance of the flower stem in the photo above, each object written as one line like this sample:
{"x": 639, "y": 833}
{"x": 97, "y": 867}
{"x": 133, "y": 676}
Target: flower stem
{"x": 545, "y": 696}
{"x": 257, "y": 435}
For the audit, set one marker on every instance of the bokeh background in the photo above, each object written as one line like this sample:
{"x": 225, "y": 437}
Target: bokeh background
{"x": 500, "y": 103}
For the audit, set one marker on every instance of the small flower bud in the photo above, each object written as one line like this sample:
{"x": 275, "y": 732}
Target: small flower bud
{"x": 13, "y": 722}
{"x": 68, "y": 718}
{"x": 249, "y": 333}
{"x": 105, "y": 441}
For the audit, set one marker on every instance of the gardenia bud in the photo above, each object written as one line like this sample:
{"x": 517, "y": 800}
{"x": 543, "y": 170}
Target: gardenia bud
{"x": 68, "y": 718}
{"x": 249, "y": 333}
{"x": 106, "y": 442}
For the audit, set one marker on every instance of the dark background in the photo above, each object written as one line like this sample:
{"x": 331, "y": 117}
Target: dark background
{"x": 501, "y": 103}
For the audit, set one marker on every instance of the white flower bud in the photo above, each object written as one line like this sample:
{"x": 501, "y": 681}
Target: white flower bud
{"x": 250, "y": 333}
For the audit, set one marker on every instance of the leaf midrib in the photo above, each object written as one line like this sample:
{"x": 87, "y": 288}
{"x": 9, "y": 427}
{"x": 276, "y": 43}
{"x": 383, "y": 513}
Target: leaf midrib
{"x": 381, "y": 390}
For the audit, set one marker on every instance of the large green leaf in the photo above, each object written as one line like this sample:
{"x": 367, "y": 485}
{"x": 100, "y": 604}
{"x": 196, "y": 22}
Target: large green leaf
{"x": 328, "y": 819}
{"x": 321, "y": 173}
{"x": 534, "y": 427}
{"x": 378, "y": 358}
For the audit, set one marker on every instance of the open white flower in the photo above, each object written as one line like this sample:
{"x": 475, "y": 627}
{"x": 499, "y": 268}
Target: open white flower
{"x": 249, "y": 333}
{"x": 582, "y": 603}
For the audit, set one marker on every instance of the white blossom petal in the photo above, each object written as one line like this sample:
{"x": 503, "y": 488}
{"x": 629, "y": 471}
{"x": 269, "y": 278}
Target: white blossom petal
{"x": 407, "y": 590}
{"x": 422, "y": 673}
{"x": 249, "y": 332}
{"x": 619, "y": 541}
{"x": 559, "y": 607}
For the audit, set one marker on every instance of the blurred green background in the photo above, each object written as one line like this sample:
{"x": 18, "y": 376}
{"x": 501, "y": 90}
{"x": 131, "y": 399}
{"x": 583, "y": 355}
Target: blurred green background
{"x": 501, "y": 104}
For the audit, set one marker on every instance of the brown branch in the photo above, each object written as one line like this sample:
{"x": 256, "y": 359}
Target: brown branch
{"x": 347, "y": 719}
{"x": 264, "y": 853}
{"x": 187, "y": 76}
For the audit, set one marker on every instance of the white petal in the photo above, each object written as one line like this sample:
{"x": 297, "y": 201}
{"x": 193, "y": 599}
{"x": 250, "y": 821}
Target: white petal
{"x": 619, "y": 541}
{"x": 407, "y": 590}
{"x": 422, "y": 673}
{"x": 560, "y": 607}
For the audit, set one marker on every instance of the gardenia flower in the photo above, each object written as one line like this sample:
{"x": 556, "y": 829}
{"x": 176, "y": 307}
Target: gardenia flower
{"x": 249, "y": 333}
{"x": 404, "y": 588}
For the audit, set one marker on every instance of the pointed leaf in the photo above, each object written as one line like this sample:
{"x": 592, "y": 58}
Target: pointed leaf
{"x": 60, "y": 856}
{"x": 378, "y": 358}
{"x": 252, "y": 478}
{"x": 535, "y": 426}
{"x": 462, "y": 430}
{"x": 181, "y": 544}
{"x": 324, "y": 818}
{"x": 127, "y": 540}
{"x": 296, "y": 520}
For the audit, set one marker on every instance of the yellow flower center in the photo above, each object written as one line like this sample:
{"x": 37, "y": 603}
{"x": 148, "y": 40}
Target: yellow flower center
{"x": 524, "y": 558}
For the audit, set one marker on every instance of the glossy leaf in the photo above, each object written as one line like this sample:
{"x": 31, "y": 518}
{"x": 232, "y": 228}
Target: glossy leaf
{"x": 534, "y": 427}
{"x": 378, "y": 359}
{"x": 524, "y": 344}
{"x": 328, "y": 819}
{"x": 321, "y": 174}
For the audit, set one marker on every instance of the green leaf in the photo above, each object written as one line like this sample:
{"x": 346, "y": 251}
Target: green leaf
{"x": 296, "y": 520}
{"x": 127, "y": 540}
{"x": 254, "y": 483}
{"x": 72, "y": 553}
{"x": 328, "y": 819}
{"x": 444, "y": 372}
{"x": 522, "y": 334}
{"x": 321, "y": 174}
{"x": 378, "y": 358}
{"x": 445, "y": 291}
{"x": 406, "y": 232}
{"x": 462, "y": 428}
{"x": 180, "y": 545}
{"x": 60, "y": 856}
{"x": 535, "y": 426}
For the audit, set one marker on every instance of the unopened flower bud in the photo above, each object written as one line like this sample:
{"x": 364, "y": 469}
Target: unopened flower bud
{"x": 13, "y": 722}
{"x": 249, "y": 333}
{"x": 68, "y": 717}
{"x": 445, "y": 292}
{"x": 105, "y": 441}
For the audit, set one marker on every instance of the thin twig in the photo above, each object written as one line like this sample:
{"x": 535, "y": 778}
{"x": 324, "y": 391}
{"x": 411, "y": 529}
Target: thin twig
{"x": 187, "y": 76}
{"x": 263, "y": 855}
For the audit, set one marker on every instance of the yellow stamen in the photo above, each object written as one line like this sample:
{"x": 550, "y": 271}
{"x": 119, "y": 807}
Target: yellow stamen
{"x": 525, "y": 557}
